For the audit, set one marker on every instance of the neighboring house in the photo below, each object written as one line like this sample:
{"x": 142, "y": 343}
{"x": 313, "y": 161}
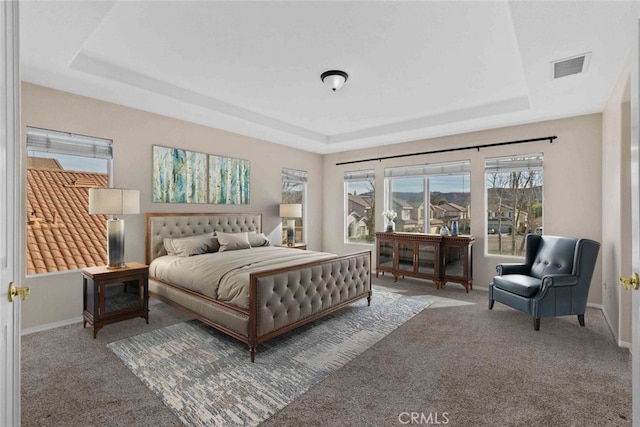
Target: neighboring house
{"x": 407, "y": 219}
{"x": 503, "y": 217}
{"x": 359, "y": 210}
{"x": 445, "y": 213}
{"x": 61, "y": 235}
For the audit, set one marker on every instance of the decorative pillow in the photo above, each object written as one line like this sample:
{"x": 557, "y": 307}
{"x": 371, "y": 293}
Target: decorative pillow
{"x": 233, "y": 241}
{"x": 258, "y": 239}
{"x": 192, "y": 245}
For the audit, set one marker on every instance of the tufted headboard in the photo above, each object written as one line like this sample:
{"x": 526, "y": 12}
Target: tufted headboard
{"x": 162, "y": 225}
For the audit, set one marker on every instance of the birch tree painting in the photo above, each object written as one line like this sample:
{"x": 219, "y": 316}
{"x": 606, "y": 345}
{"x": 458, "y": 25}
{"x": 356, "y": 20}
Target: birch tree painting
{"x": 228, "y": 180}
{"x": 179, "y": 176}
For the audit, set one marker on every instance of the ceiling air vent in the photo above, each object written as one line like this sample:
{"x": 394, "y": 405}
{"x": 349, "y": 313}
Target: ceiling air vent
{"x": 568, "y": 66}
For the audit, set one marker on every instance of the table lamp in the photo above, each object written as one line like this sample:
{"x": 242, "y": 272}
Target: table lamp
{"x": 291, "y": 211}
{"x": 114, "y": 201}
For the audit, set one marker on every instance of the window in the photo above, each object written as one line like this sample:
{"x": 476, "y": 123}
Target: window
{"x": 442, "y": 187}
{"x": 294, "y": 190}
{"x": 360, "y": 203}
{"x": 514, "y": 202}
{"x": 61, "y": 167}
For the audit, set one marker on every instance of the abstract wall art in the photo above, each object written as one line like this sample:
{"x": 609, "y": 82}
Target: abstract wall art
{"x": 183, "y": 176}
{"x": 228, "y": 180}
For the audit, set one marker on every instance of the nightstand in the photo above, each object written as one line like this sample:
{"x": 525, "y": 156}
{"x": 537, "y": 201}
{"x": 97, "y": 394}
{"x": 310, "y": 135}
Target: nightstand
{"x": 298, "y": 245}
{"x": 112, "y": 295}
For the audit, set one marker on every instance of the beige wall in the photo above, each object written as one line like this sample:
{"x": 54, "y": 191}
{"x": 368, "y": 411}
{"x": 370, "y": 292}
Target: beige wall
{"x": 58, "y": 297}
{"x": 572, "y": 183}
{"x": 572, "y": 190}
{"x": 616, "y": 207}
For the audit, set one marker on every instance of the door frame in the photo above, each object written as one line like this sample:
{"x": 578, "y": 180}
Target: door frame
{"x": 10, "y": 211}
{"x": 635, "y": 221}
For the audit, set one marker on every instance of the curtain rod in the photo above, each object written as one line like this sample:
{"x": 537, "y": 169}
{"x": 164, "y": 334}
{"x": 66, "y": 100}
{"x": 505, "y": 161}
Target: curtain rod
{"x": 445, "y": 150}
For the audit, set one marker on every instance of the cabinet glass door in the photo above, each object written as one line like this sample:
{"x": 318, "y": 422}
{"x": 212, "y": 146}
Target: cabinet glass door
{"x": 385, "y": 254}
{"x": 427, "y": 258}
{"x": 405, "y": 256}
{"x": 454, "y": 261}
{"x": 122, "y": 295}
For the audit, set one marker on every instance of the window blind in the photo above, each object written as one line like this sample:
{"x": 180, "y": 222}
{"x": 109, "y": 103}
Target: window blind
{"x": 50, "y": 141}
{"x": 449, "y": 168}
{"x": 514, "y": 163}
{"x": 363, "y": 175}
{"x": 294, "y": 175}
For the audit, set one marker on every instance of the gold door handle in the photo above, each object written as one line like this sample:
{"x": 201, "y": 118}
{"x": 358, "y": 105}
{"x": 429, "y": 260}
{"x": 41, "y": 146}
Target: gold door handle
{"x": 629, "y": 282}
{"x": 18, "y": 291}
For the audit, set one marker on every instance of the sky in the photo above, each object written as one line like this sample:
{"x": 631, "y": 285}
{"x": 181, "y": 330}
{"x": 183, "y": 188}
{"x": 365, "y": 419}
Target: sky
{"x": 74, "y": 163}
{"x": 440, "y": 183}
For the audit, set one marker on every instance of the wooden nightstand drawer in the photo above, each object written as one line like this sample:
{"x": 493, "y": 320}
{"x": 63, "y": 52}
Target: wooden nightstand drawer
{"x": 112, "y": 295}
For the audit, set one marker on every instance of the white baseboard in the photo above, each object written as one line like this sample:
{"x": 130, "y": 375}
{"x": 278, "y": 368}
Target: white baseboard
{"x": 40, "y": 328}
{"x": 594, "y": 305}
{"x": 622, "y": 344}
{"x": 48, "y": 326}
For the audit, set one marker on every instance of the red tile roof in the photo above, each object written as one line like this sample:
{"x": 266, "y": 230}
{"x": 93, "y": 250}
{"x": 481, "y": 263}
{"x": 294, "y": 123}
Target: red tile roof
{"x": 61, "y": 235}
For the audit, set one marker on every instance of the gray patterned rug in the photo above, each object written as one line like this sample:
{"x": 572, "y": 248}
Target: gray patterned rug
{"x": 206, "y": 378}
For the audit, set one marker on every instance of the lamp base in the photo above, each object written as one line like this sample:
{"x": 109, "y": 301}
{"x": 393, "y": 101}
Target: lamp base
{"x": 115, "y": 243}
{"x": 291, "y": 232}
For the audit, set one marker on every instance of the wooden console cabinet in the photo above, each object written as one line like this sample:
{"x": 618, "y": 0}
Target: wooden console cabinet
{"x": 440, "y": 259}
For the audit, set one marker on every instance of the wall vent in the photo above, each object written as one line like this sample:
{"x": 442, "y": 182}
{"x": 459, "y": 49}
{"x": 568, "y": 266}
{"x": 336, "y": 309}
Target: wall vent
{"x": 568, "y": 66}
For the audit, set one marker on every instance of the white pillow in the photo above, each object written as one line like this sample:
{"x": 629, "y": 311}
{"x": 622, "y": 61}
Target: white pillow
{"x": 192, "y": 245}
{"x": 233, "y": 241}
{"x": 258, "y": 239}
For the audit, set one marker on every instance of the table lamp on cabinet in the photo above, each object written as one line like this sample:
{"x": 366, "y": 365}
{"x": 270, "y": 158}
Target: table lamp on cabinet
{"x": 114, "y": 201}
{"x": 290, "y": 211}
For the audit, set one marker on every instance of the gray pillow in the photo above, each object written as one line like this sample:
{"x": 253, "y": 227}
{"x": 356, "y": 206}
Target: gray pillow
{"x": 192, "y": 245}
{"x": 233, "y": 241}
{"x": 258, "y": 239}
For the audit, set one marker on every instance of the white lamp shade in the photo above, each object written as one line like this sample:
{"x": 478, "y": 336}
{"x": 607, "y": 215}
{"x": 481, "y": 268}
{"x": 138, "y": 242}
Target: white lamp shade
{"x": 113, "y": 201}
{"x": 291, "y": 210}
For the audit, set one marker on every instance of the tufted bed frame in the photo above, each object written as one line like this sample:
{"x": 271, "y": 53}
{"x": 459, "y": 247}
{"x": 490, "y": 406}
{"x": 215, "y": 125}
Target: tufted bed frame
{"x": 279, "y": 300}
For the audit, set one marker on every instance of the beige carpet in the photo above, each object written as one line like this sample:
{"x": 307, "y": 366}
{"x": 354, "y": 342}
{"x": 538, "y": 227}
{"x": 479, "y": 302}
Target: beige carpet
{"x": 474, "y": 366}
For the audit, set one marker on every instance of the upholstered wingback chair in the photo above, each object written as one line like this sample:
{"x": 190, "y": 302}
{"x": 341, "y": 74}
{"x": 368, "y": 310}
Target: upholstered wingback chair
{"x": 554, "y": 279}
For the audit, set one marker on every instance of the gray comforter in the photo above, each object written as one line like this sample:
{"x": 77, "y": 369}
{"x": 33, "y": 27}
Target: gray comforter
{"x": 225, "y": 275}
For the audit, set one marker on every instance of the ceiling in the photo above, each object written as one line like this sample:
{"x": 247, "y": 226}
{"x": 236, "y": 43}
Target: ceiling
{"x": 416, "y": 69}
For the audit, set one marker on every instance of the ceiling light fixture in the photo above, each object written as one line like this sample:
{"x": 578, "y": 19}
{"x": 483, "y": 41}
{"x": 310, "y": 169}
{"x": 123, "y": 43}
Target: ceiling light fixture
{"x": 334, "y": 78}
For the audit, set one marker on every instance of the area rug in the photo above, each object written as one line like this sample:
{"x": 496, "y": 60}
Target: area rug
{"x": 207, "y": 379}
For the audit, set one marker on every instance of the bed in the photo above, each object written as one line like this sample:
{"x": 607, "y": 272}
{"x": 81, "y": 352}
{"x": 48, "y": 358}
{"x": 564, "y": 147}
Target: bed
{"x": 293, "y": 288}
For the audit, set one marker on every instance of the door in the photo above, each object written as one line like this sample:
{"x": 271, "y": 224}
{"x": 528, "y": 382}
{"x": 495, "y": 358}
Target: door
{"x": 9, "y": 154}
{"x": 635, "y": 219}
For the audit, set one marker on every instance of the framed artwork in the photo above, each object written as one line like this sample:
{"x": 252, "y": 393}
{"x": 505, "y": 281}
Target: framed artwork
{"x": 183, "y": 176}
{"x": 228, "y": 180}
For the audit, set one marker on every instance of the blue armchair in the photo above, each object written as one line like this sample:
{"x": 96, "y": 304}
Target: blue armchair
{"x": 553, "y": 281}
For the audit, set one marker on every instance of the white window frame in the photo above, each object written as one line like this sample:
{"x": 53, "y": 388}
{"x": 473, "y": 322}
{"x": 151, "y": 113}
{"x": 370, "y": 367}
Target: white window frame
{"x": 356, "y": 176}
{"x": 67, "y": 143}
{"x": 460, "y": 167}
{"x": 297, "y": 176}
{"x": 503, "y": 164}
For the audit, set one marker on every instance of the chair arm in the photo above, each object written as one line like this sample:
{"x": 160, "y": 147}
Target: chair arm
{"x": 512, "y": 268}
{"x": 559, "y": 280}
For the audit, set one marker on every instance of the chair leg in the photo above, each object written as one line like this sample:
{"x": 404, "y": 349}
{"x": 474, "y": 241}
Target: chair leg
{"x": 491, "y": 304}
{"x": 581, "y": 319}
{"x": 536, "y": 323}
